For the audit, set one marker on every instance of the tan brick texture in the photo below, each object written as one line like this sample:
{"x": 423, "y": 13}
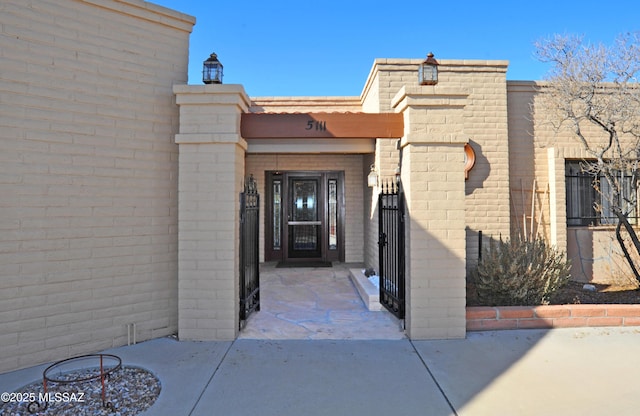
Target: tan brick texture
{"x": 88, "y": 172}
{"x": 211, "y": 176}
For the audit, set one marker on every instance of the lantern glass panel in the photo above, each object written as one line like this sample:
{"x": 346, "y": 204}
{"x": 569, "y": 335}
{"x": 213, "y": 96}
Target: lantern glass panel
{"x": 211, "y": 73}
{"x": 372, "y": 179}
{"x": 428, "y": 74}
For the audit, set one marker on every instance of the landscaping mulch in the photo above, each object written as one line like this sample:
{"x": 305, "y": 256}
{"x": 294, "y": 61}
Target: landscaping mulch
{"x": 574, "y": 293}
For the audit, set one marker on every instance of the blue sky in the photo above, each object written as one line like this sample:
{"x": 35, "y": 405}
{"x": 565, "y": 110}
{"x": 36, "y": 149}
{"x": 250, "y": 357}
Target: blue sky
{"x": 327, "y": 47}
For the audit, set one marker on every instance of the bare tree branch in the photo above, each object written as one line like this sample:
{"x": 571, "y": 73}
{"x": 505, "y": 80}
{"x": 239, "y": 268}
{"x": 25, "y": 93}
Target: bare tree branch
{"x": 593, "y": 91}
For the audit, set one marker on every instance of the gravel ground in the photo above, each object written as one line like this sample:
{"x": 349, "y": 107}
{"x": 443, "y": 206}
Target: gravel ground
{"x": 129, "y": 391}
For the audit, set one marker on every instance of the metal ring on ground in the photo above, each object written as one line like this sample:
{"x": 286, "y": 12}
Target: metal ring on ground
{"x": 106, "y": 370}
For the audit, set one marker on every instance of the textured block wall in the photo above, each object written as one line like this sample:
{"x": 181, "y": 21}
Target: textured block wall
{"x": 211, "y": 179}
{"x": 88, "y": 172}
{"x": 434, "y": 186}
{"x": 522, "y": 175}
{"x": 484, "y": 125}
{"x": 435, "y": 241}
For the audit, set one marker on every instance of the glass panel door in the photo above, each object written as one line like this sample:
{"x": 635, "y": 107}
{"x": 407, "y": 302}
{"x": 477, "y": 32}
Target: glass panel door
{"x": 304, "y": 215}
{"x": 304, "y": 219}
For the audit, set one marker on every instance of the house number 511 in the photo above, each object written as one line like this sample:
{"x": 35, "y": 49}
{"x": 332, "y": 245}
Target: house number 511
{"x": 319, "y": 125}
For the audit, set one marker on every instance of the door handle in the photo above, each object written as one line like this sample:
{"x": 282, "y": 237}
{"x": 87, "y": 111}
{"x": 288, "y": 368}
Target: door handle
{"x": 304, "y": 222}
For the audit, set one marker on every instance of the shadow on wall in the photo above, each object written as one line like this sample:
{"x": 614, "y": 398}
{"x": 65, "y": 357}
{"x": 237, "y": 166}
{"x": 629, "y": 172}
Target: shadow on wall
{"x": 477, "y": 176}
{"x": 580, "y": 252}
{"x": 370, "y": 210}
{"x": 475, "y": 241}
{"x": 483, "y": 242}
{"x": 480, "y": 171}
{"x": 596, "y": 256}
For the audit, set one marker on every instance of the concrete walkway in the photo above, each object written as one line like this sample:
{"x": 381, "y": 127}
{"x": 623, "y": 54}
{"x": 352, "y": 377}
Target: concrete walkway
{"x": 558, "y": 372}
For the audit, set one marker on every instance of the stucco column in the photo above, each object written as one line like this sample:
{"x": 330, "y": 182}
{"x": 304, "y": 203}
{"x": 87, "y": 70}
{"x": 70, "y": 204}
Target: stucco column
{"x": 432, "y": 173}
{"x": 211, "y": 173}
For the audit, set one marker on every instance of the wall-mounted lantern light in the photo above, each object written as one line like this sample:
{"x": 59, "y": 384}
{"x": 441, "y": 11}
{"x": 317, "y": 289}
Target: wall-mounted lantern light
{"x": 372, "y": 178}
{"x": 428, "y": 71}
{"x": 212, "y": 70}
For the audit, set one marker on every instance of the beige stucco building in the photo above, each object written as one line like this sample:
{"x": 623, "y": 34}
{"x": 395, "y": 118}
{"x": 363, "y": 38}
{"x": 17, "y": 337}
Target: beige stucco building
{"x": 120, "y": 182}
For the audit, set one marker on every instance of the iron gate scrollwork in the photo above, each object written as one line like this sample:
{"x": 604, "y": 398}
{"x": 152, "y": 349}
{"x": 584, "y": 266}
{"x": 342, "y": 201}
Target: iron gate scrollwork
{"x": 249, "y": 259}
{"x": 391, "y": 248}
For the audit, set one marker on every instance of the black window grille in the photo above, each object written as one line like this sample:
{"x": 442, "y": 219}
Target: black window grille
{"x": 590, "y": 198}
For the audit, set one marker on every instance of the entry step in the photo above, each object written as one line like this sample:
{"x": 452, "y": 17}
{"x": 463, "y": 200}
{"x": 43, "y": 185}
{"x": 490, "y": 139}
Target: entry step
{"x": 369, "y": 293}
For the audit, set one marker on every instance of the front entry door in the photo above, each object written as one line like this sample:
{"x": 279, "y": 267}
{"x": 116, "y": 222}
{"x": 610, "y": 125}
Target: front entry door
{"x": 304, "y": 224}
{"x": 304, "y": 216}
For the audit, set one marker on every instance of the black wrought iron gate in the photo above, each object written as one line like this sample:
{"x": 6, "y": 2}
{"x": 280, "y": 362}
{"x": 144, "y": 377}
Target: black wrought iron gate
{"x": 249, "y": 259}
{"x": 391, "y": 248}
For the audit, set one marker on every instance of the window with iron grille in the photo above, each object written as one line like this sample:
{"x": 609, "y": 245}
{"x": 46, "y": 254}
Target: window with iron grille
{"x": 590, "y": 197}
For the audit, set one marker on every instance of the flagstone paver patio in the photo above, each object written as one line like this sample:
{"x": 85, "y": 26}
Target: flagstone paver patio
{"x": 315, "y": 303}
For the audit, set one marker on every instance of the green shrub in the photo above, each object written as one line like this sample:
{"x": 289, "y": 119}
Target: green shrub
{"x": 520, "y": 273}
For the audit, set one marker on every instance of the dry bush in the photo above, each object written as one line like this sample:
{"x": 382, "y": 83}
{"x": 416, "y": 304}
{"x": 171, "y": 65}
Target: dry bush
{"x": 520, "y": 272}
